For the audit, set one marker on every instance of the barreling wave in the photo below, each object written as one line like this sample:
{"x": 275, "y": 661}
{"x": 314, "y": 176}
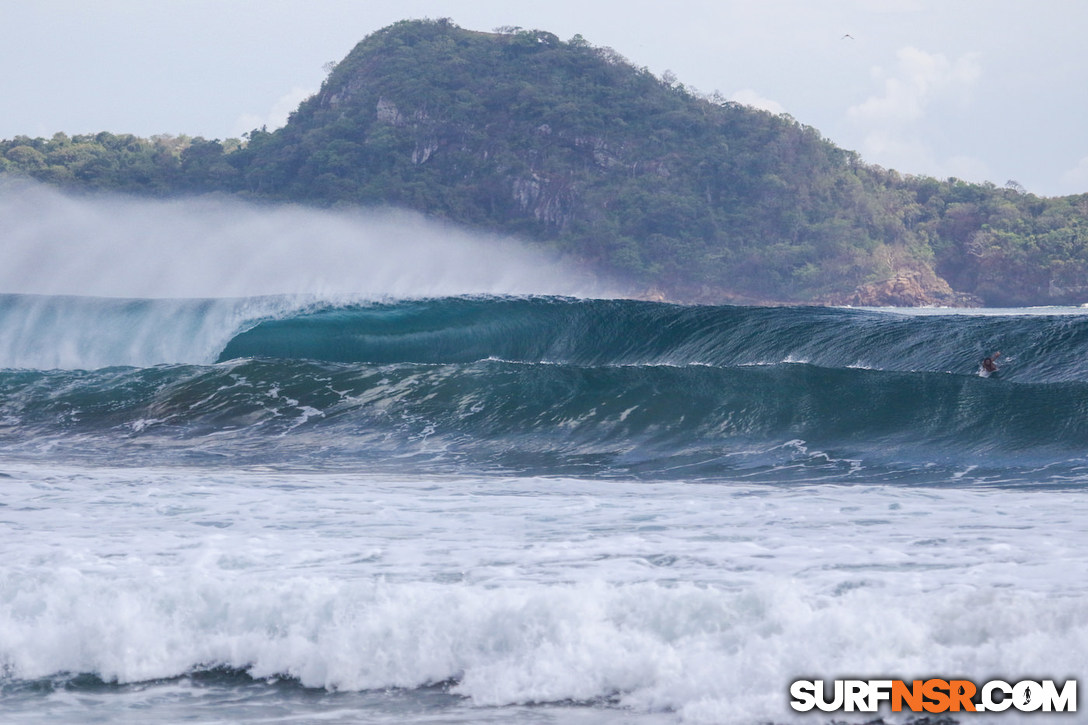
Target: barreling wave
{"x": 565, "y": 386}
{"x": 1046, "y": 348}
{"x": 40, "y": 332}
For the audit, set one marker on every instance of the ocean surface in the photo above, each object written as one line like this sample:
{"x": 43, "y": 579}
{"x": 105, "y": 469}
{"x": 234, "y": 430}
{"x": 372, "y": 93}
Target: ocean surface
{"x": 497, "y": 509}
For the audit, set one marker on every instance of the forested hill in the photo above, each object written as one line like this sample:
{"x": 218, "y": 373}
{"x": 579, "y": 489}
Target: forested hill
{"x": 570, "y": 145}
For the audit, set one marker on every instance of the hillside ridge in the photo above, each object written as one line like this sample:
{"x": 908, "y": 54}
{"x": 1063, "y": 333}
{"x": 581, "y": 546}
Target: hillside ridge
{"x": 683, "y": 197}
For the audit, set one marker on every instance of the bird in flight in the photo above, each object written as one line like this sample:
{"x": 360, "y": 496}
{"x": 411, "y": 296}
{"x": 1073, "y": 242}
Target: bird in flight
{"x": 851, "y": 37}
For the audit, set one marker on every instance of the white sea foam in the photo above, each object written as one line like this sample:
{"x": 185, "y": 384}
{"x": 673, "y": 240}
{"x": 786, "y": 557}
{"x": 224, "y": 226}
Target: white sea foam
{"x": 46, "y": 333}
{"x": 1041, "y": 311}
{"x": 708, "y": 654}
{"x": 697, "y": 601}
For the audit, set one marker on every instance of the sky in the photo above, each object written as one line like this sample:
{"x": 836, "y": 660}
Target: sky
{"x": 983, "y": 90}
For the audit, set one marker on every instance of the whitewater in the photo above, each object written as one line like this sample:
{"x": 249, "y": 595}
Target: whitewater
{"x": 344, "y": 493}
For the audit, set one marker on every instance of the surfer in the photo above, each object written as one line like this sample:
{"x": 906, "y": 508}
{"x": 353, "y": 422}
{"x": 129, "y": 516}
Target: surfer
{"x": 988, "y": 366}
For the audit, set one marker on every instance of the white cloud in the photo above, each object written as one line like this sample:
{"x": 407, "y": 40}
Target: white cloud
{"x": 920, "y": 78}
{"x": 890, "y": 6}
{"x": 276, "y": 117}
{"x": 900, "y": 124}
{"x": 910, "y": 153}
{"x": 1077, "y": 176}
{"x": 749, "y": 97}
{"x": 895, "y": 149}
{"x": 968, "y": 168}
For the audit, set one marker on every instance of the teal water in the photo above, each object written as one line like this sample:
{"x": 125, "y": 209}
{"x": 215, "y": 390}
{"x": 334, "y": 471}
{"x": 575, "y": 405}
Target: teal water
{"x": 534, "y": 510}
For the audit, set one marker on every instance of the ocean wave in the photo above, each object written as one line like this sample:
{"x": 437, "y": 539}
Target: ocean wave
{"x": 789, "y": 420}
{"x": 39, "y": 332}
{"x": 552, "y": 386}
{"x": 1037, "y": 348}
{"x": 707, "y": 654}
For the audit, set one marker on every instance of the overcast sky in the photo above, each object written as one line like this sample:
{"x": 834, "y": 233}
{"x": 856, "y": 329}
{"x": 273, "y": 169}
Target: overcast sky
{"x": 985, "y": 90}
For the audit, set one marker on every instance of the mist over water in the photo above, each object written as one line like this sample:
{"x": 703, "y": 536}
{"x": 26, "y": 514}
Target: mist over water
{"x": 114, "y": 246}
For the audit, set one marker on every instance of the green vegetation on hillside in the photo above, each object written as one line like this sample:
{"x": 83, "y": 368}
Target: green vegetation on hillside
{"x": 568, "y": 144}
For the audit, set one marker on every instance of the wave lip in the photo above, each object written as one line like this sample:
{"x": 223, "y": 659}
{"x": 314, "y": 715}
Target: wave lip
{"x": 39, "y": 332}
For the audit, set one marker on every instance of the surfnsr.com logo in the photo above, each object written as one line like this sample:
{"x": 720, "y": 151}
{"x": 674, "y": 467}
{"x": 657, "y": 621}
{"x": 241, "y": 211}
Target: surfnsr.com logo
{"x": 933, "y": 696}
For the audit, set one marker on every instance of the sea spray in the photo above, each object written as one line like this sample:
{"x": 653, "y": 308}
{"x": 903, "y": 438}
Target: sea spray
{"x": 118, "y": 246}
